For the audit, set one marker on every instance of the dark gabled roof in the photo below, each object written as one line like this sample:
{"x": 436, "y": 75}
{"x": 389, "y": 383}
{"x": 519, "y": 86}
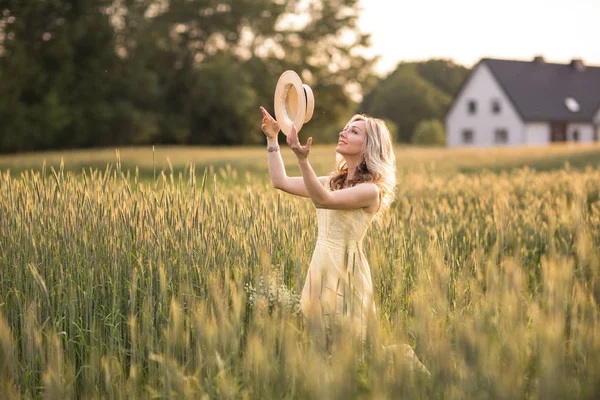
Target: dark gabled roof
{"x": 538, "y": 89}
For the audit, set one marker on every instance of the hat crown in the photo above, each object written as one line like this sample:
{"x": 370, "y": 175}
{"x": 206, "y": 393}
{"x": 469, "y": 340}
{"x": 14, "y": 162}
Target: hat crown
{"x": 294, "y": 102}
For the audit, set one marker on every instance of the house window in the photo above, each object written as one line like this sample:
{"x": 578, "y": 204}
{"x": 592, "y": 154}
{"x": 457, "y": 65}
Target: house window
{"x": 501, "y": 136}
{"x": 495, "y": 107}
{"x": 472, "y": 106}
{"x": 576, "y": 135}
{"x": 467, "y": 136}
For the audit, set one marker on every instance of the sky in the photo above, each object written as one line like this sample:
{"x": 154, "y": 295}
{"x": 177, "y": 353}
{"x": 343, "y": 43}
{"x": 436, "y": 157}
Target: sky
{"x": 467, "y": 30}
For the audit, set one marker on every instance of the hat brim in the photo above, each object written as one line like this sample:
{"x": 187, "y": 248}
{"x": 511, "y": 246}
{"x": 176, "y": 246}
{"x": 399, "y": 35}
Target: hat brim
{"x": 291, "y": 101}
{"x": 310, "y": 102}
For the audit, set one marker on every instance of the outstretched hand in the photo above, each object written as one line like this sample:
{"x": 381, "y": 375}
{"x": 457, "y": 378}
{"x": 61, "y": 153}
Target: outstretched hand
{"x": 294, "y": 143}
{"x": 270, "y": 126}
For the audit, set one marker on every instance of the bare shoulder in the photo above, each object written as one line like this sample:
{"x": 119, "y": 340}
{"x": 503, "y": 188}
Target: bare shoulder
{"x": 372, "y": 193}
{"x": 369, "y": 188}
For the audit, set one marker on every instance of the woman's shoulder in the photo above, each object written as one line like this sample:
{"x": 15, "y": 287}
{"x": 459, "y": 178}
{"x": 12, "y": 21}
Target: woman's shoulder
{"x": 370, "y": 186}
{"x": 372, "y": 190}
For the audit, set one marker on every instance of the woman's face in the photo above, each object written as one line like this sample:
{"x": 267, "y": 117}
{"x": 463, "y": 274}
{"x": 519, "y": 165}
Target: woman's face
{"x": 352, "y": 139}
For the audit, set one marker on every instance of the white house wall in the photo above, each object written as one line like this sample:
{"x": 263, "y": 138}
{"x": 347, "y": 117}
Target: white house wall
{"x": 597, "y": 124}
{"x": 484, "y": 89}
{"x": 537, "y": 133}
{"x": 585, "y": 131}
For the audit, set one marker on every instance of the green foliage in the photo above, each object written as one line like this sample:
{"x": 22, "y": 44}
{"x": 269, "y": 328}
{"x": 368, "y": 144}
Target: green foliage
{"x": 444, "y": 74}
{"x": 105, "y": 73}
{"x": 415, "y": 92}
{"x": 223, "y": 88}
{"x": 429, "y": 133}
{"x": 393, "y": 128}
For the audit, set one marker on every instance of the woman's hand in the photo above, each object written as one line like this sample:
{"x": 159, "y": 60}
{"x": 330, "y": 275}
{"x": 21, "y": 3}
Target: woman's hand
{"x": 294, "y": 143}
{"x": 270, "y": 126}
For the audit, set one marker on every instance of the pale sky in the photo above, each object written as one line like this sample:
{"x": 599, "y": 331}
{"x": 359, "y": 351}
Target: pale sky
{"x": 467, "y": 30}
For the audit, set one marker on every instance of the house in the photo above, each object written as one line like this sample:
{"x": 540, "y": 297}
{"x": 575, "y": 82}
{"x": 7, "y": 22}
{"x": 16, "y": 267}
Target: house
{"x": 520, "y": 103}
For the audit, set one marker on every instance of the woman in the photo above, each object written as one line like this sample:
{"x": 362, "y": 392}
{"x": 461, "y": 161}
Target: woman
{"x": 338, "y": 284}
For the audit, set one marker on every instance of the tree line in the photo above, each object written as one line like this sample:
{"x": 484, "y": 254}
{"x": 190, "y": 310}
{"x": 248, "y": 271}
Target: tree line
{"x": 96, "y": 73}
{"x": 416, "y": 93}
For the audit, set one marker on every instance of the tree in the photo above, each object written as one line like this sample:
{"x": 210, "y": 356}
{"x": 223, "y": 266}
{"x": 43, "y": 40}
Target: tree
{"x": 224, "y": 105}
{"x": 227, "y": 62}
{"x": 414, "y": 92}
{"x": 429, "y": 133}
{"x": 393, "y": 128}
{"x": 444, "y": 74}
{"x": 325, "y": 51}
{"x": 53, "y": 63}
{"x": 80, "y": 73}
{"x": 406, "y": 98}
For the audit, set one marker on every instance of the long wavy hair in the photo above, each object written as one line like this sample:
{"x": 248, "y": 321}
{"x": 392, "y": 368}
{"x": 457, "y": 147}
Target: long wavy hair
{"x": 378, "y": 164}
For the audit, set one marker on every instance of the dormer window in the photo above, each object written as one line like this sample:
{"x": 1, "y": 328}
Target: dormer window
{"x": 472, "y": 106}
{"x": 496, "y": 106}
{"x": 572, "y": 104}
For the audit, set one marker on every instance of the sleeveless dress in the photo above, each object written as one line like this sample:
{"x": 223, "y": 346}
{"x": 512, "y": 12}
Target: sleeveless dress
{"x": 338, "y": 282}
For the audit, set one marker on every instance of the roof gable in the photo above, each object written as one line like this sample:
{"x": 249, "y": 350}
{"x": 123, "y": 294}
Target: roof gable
{"x": 479, "y": 72}
{"x": 538, "y": 90}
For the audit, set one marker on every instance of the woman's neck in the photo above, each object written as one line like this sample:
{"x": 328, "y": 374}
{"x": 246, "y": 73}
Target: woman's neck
{"x": 352, "y": 165}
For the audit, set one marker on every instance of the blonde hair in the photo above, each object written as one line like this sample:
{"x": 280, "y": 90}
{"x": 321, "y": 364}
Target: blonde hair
{"x": 378, "y": 165}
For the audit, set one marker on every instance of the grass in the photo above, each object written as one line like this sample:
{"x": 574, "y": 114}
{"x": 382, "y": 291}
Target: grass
{"x": 116, "y": 286}
{"x": 149, "y": 161}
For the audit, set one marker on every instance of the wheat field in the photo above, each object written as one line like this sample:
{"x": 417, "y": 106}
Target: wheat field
{"x": 176, "y": 274}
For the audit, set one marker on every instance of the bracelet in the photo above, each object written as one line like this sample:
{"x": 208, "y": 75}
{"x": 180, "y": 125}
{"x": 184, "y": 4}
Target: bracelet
{"x": 272, "y": 149}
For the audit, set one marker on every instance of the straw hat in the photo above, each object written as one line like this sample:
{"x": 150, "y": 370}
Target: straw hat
{"x": 294, "y": 102}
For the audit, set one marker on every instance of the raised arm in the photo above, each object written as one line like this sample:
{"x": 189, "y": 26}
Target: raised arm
{"x": 364, "y": 195}
{"x": 279, "y": 178}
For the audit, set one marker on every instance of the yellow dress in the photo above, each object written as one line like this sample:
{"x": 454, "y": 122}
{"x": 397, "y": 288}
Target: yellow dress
{"x": 338, "y": 282}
